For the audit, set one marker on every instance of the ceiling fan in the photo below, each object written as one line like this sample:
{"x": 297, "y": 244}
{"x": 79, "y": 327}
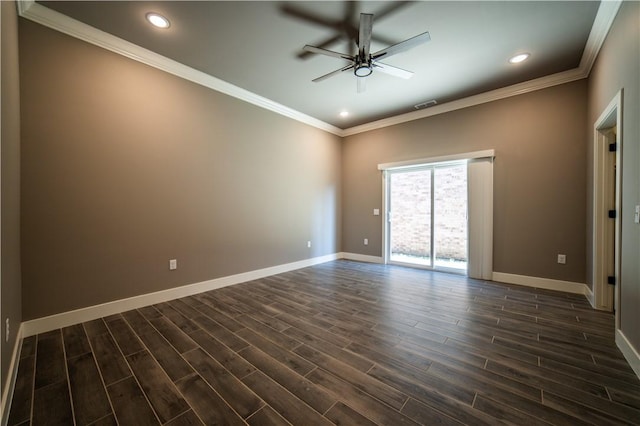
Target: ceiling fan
{"x": 364, "y": 62}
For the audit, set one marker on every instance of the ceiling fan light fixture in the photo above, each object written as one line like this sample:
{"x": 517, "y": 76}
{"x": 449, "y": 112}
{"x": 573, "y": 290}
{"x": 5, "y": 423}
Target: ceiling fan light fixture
{"x": 363, "y": 71}
{"x": 158, "y": 20}
{"x": 519, "y": 58}
{"x": 364, "y": 61}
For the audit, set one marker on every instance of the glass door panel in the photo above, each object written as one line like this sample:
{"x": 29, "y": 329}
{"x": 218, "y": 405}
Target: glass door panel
{"x": 427, "y": 224}
{"x": 450, "y": 217}
{"x": 410, "y": 205}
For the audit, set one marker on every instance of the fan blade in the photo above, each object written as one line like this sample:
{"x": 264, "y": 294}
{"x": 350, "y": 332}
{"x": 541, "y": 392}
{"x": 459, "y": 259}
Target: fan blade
{"x": 362, "y": 84}
{"x": 364, "y": 36}
{"x": 381, "y": 39}
{"x": 321, "y": 51}
{"x": 402, "y": 46}
{"x": 391, "y": 70}
{"x": 332, "y": 73}
{"x": 304, "y": 54}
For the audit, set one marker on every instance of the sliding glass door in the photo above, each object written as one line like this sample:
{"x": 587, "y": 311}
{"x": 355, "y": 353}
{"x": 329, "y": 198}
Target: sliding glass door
{"x": 427, "y": 216}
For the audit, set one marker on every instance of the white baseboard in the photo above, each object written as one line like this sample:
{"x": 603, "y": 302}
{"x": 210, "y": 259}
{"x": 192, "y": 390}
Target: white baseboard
{"x": 546, "y": 283}
{"x": 65, "y": 319}
{"x": 630, "y": 353}
{"x": 361, "y": 257}
{"x": 590, "y": 297}
{"x": 10, "y": 382}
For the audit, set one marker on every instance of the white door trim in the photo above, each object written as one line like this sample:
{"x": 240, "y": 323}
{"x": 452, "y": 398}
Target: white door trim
{"x": 422, "y": 162}
{"x": 605, "y": 297}
{"x": 2, "y": 398}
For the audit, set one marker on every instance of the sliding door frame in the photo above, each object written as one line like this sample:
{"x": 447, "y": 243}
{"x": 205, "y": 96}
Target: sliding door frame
{"x": 431, "y": 169}
{"x": 418, "y": 164}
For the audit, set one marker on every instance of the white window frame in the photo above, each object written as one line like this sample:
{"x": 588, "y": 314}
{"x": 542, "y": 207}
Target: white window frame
{"x": 480, "y": 228}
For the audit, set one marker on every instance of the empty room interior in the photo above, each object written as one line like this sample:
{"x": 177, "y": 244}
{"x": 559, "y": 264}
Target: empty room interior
{"x": 301, "y": 213}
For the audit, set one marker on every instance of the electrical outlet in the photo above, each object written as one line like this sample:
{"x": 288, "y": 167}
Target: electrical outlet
{"x": 562, "y": 259}
{"x": 6, "y": 331}
{"x": 309, "y": 244}
{"x": 173, "y": 264}
{"x": 366, "y": 241}
{"x": 376, "y": 212}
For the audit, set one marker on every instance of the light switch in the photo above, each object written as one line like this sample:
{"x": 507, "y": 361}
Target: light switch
{"x": 636, "y": 216}
{"x": 173, "y": 264}
{"x": 376, "y": 212}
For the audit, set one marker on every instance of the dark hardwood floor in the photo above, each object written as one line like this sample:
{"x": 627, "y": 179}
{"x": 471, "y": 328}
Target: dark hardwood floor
{"x": 340, "y": 343}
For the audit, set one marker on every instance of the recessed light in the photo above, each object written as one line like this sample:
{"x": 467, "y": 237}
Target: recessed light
{"x": 519, "y": 58}
{"x": 158, "y": 20}
{"x": 344, "y": 113}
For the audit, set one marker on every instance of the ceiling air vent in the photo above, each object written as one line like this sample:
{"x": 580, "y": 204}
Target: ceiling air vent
{"x": 427, "y": 104}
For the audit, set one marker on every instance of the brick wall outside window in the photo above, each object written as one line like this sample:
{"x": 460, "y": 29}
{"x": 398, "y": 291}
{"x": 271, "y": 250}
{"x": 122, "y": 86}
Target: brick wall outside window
{"x": 410, "y": 212}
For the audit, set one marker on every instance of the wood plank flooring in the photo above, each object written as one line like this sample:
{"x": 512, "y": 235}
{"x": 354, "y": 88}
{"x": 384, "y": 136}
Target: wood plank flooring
{"x": 341, "y": 343}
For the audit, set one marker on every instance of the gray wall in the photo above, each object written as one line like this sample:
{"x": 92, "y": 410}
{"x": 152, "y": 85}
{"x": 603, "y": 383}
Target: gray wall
{"x": 618, "y": 67}
{"x": 539, "y": 176}
{"x": 225, "y": 187}
{"x": 125, "y": 167}
{"x": 10, "y": 144}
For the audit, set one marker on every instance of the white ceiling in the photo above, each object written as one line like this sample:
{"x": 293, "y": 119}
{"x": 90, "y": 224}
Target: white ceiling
{"x": 257, "y": 45}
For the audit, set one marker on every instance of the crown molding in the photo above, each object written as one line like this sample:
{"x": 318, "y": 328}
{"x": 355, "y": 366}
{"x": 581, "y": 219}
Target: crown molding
{"x": 602, "y": 23}
{"x": 607, "y": 12}
{"x": 43, "y": 15}
{"x": 482, "y": 98}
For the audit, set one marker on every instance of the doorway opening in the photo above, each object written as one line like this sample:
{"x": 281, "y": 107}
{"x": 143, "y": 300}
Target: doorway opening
{"x": 427, "y": 216}
{"x": 607, "y": 207}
